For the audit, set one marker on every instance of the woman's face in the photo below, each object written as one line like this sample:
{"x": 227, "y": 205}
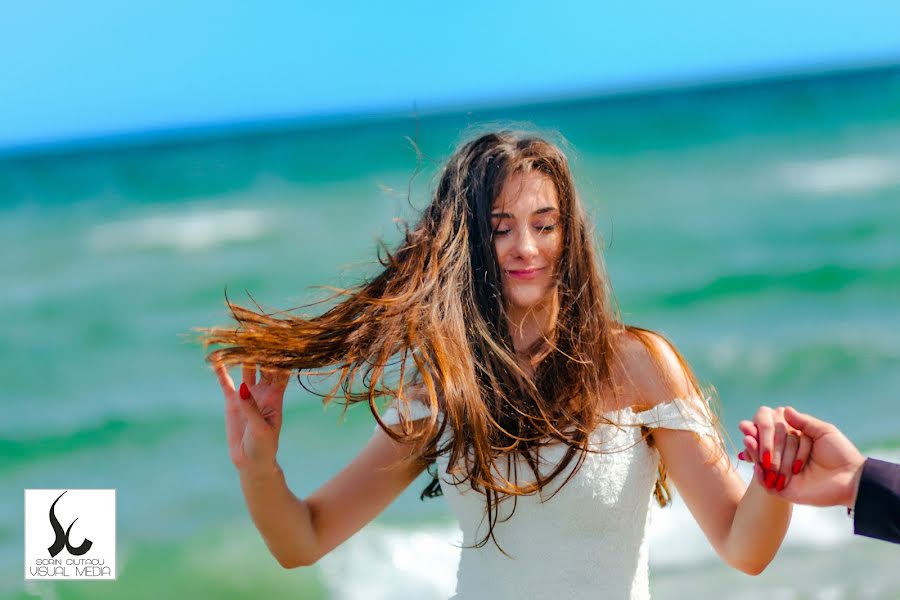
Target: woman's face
{"x": 527, "y": 238}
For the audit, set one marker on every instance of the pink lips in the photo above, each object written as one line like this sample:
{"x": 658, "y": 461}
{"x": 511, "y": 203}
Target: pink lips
{"x": 525, "y": 273}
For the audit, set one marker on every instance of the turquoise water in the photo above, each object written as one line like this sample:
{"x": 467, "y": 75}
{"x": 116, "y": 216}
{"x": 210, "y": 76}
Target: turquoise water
{"x": 757, "y": 226}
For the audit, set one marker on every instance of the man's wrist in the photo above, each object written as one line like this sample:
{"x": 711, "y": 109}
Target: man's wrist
{"x": 853, "y": 485}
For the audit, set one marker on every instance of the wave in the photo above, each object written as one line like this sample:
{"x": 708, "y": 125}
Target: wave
{"x": 848, "y": 174}
{"x": 824, "y": 278}
{"x": 183, "y": 232}
{"x": 15, "y": 453}
{"x": 777, "y": 364}
{"x": 390, "y": 563}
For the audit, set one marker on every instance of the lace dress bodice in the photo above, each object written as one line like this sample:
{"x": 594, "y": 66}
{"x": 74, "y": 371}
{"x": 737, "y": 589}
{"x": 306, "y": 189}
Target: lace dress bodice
{"x": 587, "y": 541}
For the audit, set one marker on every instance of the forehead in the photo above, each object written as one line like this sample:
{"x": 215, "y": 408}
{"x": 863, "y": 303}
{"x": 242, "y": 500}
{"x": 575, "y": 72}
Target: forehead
{"x": 526, "y": 192}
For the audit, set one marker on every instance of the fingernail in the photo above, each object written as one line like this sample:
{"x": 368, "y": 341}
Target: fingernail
{"x": 798, "y": 464}
{"x": 770, "y": 478}
{"x": 780, "y": 484}
{"x": 741, "y": 456}
{"x": 244, "y": 391}
{"x": 767, "y": 459}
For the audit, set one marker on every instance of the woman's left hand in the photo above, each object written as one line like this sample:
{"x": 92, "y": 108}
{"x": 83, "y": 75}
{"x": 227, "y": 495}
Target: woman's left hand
{"x": 778, "y": 450}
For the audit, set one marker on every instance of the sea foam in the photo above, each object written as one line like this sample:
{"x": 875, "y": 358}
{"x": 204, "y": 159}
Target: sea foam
{"x": 198, "y": 229}
{"x": 847, "y": 174}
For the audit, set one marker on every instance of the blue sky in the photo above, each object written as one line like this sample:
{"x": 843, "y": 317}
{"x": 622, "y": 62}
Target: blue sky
{"x": 72, "y": 70}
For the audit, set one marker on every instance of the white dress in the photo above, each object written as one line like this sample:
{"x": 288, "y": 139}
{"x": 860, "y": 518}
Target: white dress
{"x": 588, "y": 541}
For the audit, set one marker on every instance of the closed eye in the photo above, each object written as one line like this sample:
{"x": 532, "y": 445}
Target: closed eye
{"x": 539, "y": 229}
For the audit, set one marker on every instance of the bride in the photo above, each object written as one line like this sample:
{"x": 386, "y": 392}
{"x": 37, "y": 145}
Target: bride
{"x": 547, "y": 423}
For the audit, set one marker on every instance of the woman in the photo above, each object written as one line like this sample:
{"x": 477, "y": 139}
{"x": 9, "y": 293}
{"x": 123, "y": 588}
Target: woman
{"x": 492, "y": 329}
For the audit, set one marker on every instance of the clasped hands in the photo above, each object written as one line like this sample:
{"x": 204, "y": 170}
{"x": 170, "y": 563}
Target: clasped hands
{"x": 777, "y": 449}
{"x": 801, "y": 458}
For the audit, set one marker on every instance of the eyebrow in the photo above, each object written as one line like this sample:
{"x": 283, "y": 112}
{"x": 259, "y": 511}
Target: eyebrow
{"x": 539, "y": 211}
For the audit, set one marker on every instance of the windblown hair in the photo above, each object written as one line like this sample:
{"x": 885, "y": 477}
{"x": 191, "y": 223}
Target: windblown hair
{"x": 432, "y": 327}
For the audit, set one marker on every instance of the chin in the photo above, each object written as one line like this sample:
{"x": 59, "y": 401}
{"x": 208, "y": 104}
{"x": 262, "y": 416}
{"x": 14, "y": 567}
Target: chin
{"x": 525, "y": 304}
{"x": 524, "y": 300}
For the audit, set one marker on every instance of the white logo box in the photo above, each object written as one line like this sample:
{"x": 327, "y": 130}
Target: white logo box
{"x": 76, "y": 541}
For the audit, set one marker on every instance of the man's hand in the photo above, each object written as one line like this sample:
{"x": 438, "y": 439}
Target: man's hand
{"x": 831, "y": 476}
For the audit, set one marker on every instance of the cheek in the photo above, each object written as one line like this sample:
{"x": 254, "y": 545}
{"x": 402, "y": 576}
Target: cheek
{"x": 553, "y": 251}
{"x": 501, "y": 249}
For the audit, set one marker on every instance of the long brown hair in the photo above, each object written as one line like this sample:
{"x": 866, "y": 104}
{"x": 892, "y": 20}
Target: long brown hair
{"x": 432, "y": 326}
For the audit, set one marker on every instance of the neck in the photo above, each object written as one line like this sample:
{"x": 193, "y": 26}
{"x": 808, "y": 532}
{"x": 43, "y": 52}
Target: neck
{"x": 526, "y": 326}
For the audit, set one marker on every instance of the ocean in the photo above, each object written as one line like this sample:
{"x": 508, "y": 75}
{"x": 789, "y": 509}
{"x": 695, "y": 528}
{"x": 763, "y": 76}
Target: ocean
{"x": 757, "y": 225}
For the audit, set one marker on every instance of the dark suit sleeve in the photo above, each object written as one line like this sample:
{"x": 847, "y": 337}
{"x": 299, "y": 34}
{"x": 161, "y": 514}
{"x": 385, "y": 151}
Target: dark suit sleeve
{"x": 877, "y": 510}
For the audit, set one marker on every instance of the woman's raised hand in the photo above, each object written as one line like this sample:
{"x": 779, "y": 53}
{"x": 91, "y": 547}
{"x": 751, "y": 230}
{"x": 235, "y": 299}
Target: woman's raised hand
{"x": 253, "y": 416}
{"x": 778, "y": 450}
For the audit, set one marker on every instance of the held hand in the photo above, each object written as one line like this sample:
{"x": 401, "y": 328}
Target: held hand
{"x": 253, "y": 417}
{"x": 831, "y": 477}
{"x": 778, "y": 449}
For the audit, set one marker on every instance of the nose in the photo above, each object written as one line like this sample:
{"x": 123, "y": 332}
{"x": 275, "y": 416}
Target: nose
{"x": 526, "y": 245}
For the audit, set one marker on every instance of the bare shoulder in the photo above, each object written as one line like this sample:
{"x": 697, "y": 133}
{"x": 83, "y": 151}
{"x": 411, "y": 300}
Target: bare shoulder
{"x": 650, "y": 369}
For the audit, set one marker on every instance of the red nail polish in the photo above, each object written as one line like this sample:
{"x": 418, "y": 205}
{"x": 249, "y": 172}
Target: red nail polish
{"x": 741, "y": 456}
{"x": 798, "y": 464}
{"x": 767, "y": 459}
{"x": 244, "y": 391}
{"x": 779, "y": 485}
{"x": 770, "y": 479}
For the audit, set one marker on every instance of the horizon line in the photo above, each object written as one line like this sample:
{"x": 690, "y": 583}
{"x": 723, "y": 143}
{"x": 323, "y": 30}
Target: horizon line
{"x": 273, "y": 124}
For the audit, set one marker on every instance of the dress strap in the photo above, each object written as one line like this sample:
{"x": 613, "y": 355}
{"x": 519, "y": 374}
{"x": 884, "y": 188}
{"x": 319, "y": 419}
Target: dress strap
{"x": 691, "y": 414}
{"x": 414, "y": 411}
